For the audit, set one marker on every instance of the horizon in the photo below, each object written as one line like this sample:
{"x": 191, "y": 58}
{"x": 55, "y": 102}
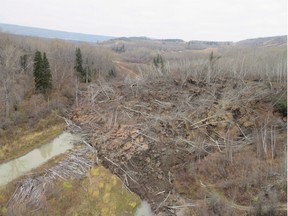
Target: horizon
{"x": 224, "y": 20}
{"x": 131, "y": 36}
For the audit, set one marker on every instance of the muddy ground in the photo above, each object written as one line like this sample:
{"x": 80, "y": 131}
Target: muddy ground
{"x": 189, "y": 147}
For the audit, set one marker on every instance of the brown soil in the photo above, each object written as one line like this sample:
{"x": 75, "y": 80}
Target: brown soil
{"x": 181, "y": 142}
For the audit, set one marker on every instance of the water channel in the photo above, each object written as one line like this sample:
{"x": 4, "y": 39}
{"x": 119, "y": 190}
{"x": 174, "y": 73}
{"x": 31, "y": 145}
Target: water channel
{"x": 22, "y": 165}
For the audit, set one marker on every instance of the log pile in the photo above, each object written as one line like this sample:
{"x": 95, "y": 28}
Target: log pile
{"x": 31, "y": 192}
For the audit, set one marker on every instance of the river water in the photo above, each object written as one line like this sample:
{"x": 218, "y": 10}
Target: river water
{"x": 22, "y": 165}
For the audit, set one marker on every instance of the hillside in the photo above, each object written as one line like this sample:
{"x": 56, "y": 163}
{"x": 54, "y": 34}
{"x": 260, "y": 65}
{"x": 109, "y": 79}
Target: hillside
{"x": 46, "y": 33}
{"x": 265, "y": 41}
{"x": 195, "y": 134}
{"x": 187, "y": 142}
{"x": 191, "y": 131}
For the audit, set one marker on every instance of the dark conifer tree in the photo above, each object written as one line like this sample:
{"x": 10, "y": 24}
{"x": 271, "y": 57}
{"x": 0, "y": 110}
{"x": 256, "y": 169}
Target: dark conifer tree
{"x": 158, "y": 61}
{"x": 79, "y": 64}
{"x": 42, "y": 73}
{"x": 46, "y": 77}
{"x": 38, "y": 70}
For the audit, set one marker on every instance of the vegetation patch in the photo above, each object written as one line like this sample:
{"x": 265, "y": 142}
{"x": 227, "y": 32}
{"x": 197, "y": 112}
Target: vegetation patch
{"x": 21, "y": 140}
{"x": 281, "y": 106}
{"x": 101, "y": 193}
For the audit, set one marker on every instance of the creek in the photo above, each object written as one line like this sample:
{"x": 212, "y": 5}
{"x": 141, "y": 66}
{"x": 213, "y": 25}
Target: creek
{"x": 15, "y": 168}
{"x": 22, "y": 165}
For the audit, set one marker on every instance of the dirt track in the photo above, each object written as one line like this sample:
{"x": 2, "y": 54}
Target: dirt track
{"x": 122, "y": 67}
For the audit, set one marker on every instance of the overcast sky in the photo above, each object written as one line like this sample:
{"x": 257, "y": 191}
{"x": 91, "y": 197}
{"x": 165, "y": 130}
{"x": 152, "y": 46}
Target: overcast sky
{"x": 221, "y": 20}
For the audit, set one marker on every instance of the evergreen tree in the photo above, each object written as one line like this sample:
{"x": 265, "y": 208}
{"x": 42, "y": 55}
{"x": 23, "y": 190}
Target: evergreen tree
{"x": 42, "y": 73}
{"x": 46, "y": 77}
{"x": 38, "y": 70}
{"x": 158, "y": 61}
{"x": 159, "y": 64}
{"x": 79, "y": 64}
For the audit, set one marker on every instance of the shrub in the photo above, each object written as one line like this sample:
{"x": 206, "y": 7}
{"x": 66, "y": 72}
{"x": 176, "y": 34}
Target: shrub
{"x": 281, "y": 107}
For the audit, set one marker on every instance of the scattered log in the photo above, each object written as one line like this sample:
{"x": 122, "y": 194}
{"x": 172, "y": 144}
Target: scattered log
{"x": 31, "y": 192}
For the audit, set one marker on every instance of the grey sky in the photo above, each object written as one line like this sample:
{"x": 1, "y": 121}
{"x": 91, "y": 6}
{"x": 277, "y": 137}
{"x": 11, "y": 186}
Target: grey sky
{"x": 186, "y": 19}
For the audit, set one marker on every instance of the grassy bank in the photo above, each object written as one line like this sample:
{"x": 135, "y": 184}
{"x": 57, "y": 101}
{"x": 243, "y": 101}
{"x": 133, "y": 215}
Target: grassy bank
{"x": 22, "y": 139}
{"x": 101, "y": 193}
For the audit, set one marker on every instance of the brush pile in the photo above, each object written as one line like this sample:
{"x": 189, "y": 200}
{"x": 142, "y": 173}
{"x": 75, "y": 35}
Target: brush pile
{"x": 32, "y": 192}
{"x": 155, "y": 134}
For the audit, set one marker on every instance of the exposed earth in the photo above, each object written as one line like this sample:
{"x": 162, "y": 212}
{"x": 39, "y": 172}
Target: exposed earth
{"x": 189, "y": 147}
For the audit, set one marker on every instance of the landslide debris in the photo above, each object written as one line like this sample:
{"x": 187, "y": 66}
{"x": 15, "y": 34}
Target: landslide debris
{"x": 187, "y": 142}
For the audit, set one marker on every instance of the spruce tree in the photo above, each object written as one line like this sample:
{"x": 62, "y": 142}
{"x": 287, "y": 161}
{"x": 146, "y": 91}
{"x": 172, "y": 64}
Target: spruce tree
{"x": 38, "y": 70}
{"x": 79, "y": 64}
{"x": 42, "y": 73}
{"x": 158, "y": 61}
{"x": 46, "y": 77}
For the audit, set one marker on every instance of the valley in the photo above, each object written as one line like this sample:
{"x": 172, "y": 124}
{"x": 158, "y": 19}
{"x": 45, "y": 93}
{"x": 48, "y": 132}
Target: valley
{"x": 193, "y": 128}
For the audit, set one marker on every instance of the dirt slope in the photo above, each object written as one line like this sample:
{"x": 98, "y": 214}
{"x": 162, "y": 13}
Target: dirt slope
{"x": 214, "y": 147}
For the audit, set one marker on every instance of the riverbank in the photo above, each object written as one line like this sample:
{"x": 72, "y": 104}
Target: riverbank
{"x": 99, "y": 193}
{"x": 7, "y": 191}
{"x": 95, "y": 191}
{"x": 18, "y": 141}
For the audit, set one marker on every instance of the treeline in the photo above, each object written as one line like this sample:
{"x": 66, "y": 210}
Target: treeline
{"x": 40, "y": 75}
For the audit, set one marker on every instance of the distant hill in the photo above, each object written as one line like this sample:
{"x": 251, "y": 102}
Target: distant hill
{"x": 199, "y": 45}
{"x": 45, "y": 33}
{"x": 266, "y": 41}
{"x": 210, "y": 43}
{"x": 254, "y": 42}
{"x": 144, "y": 38}
{"x": 129, "y": 39}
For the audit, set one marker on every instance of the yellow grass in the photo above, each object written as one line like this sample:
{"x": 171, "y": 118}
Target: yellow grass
{"x": 22, "y": 140}
{"x": 101, "y": 193}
